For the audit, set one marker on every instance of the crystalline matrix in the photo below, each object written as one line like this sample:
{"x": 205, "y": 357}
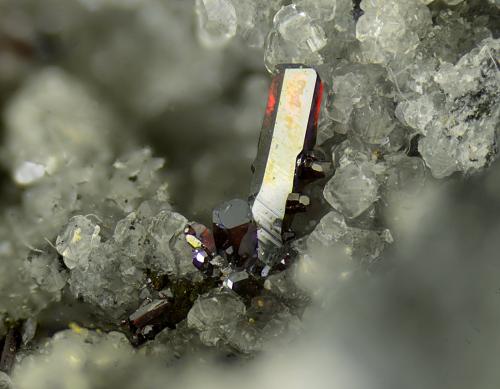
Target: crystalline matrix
{"x": 104, "y": 231}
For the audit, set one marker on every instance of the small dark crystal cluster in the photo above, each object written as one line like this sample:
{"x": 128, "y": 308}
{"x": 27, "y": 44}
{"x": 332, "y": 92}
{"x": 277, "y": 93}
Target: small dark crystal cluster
{"x": 250, "y": 239}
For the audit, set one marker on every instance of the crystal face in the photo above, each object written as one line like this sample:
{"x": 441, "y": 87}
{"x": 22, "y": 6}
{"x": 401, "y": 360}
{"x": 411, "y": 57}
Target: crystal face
{"x": 217, "y": 22}
{"x": 295, "y": 38}
{"x": 289, "y": 129}
{"x": 198, "y": 236}
{"x": 78, "y": 240}
{"x": 230, "y": 223}
{"x": 352, "y": 189}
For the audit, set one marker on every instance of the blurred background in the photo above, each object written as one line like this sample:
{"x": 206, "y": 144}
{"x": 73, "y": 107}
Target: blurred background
{"x": 198, "y": 108}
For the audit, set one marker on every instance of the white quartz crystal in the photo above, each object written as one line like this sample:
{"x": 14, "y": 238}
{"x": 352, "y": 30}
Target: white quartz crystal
{"x": 323, "y": 10}
{"x": 353, "y": 189}
{"x": 217, "y": 22}
{"x": 295, "y": 38}
{"x": 390, "y": 30}
{"x": 80, "y": 237}
{"x": 461, "y": 136}
{"x": 361, "y": 244}
{"x": 214, "y": 314}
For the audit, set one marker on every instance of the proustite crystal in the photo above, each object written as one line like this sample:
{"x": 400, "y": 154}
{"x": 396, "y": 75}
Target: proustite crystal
{"x": 250, "y": 237}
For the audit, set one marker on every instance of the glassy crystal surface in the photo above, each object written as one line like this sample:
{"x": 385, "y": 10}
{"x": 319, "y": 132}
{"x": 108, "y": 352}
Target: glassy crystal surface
{"x": 361, "y": 244}
{"x": 217, "y": 22}
{"x": 405, "y": 177}
{"x": 323, "y": 10}
{"x": 80, "y": 237}
{"x": 390, "y": 31}
{"x": 214, "y": 314}
{"x": 352, "y": 189}
{"x": 461, "y": 136}
{"x": 295, "y": 38}
{"x": 231, "y": 221}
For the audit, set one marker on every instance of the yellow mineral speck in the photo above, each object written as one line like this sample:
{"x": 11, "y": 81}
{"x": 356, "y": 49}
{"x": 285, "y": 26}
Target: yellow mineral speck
{"x": 77, "y": 235}
{"x": 193, "y": 241}
{"x": 76, "y": 328}
{"x": 260, "y": 303}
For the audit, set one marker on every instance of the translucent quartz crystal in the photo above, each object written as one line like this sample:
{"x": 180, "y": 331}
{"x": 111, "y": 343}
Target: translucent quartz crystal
{"x": 323, "y": 10}
{"x": 348, "y": 90}
{"x": 40, "y": 274}
{"x": 353, "y": 189}
{"x": 74, "y": 358}
{"x": 214, "y": 314}
{"x": 111, "y": 281}
{"x": 297, "y": 26}
{"x": 404, "y": 178}
{"x": 460, "y": 34}
{"x": 439, "y": 153}
{"x": 295, "y": 38}
{"x": 283, "y": 286}
{"x": 217, "y": 22}
{"x": 417, "y": 113}
{"x": 52, "y": 121}
{"x": 348, "y": 152}
{"x": 461, "y": 136}
{"x": 390, "y": 30}
{"x": 255, "y": 19}
{"x": 171, "y": 253}
{"x": 245, "y": 337}
{"x": 362, "y": 101}
{"x": 115, "y": 270}
{"x": 45, "y": 271}
{"x": 77, "y": 241}
{"x": 364, "y": 245}
{"x": 134, "y": 176}
{"x": 374, "y": 122}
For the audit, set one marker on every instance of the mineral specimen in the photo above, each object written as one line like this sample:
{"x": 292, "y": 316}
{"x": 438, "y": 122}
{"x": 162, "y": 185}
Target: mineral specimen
{"x": 214, "y": 314}
{"x": 461, "y": 134}
{"x": 411, "y": 91}
{"x": 216, "y": 21}
{"x": 78, "y": 240}
{"x": 231, "y": 221}
{"x": 289, "y": 129}
{"x": 353, "y": 189}
{"x": 295, "y": 38}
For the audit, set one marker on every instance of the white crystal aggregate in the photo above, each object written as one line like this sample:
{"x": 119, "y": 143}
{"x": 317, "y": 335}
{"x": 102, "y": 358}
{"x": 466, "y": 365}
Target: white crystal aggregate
{"x": 216, "y": 22}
